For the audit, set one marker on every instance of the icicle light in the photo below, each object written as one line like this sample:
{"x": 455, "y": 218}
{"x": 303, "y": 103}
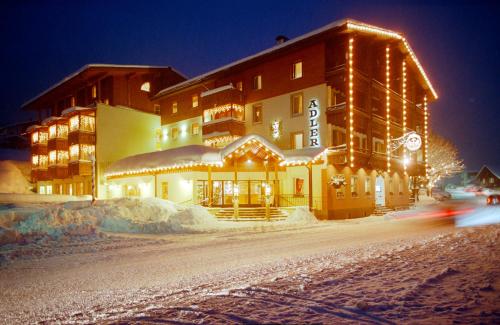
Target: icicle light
{"x": 426, "y": 137}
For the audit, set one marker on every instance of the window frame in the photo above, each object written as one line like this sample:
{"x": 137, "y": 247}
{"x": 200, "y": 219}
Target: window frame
{"x": 292, "y": 140}
{"x": 193, "y": 97}
{"x": 176, "y": 106}
{"x": 155, "y": 106}
{"x": 197, "y": 125}
{"x": 293, "y": 74}
{"x": 257, "y": 85}
{"x": 292, "y": 96}
{"x": 260, "y": 106}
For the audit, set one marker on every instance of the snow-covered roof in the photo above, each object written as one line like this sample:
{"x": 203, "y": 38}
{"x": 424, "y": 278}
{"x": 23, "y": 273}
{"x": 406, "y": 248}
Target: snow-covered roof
{"x": 70, "y": 110}
{"x": 187, "y": 156}
{"x": 198, "y": 155}
{"x": 495, "y": 170}
{"x": 230, "y": 148}
{"x": 51, "y": 119}
{"x": 216, "y": 90}
{"x": 350, "y": 23}
{"x": 97, "y": 65}
{"x": 33, "y": 128}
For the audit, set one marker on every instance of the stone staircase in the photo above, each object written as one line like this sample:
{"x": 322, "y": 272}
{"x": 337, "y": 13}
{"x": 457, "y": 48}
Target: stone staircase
{"x": 250, "y": 214}
{"x": 381, "y": 210}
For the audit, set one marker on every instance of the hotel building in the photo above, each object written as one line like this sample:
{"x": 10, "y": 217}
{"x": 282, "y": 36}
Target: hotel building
{"x": 93, "y": 117}
{"x": 314, "y": 120}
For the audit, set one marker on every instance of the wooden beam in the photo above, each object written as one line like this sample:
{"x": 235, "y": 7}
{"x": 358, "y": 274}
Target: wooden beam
{"x": 210, "y": 190}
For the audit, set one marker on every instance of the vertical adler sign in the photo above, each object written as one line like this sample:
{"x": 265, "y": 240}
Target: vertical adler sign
{"x": 313, "y": 123}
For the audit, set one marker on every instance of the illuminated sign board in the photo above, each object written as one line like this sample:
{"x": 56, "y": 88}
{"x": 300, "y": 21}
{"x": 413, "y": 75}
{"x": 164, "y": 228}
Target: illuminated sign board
{"x": 313, "y": 123}
{"x": 413, "y": 142}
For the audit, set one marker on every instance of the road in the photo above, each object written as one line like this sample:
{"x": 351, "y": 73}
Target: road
{"x": 104, "y": 279}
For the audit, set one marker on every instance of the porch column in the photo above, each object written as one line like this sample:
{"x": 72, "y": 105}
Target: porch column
{"x": 309, "y": 169}
{"x": 156, "y": 185}
{"x": 236, "y": 199}
{"x": 276, "y": 184}
{"x": 267, "y": 197}
{"x": 210, "y": 190}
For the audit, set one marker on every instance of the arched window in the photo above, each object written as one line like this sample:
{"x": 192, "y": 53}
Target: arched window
{"x": 146, "y": 86}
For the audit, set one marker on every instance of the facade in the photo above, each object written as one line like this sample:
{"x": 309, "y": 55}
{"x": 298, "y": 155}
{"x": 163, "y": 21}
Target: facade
{"x": 95, "y": 116}
{"x": 315, "y": 121}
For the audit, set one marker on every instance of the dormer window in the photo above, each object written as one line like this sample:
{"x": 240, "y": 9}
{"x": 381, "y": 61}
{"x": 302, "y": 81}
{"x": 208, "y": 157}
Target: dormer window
{"x": 146, "y": 87}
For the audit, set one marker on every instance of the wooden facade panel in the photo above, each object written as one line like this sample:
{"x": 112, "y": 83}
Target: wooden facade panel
{"x": 58, "y": 172}
{"x": 39, "y": 149}
{"x": 57, "y": 144}
{"x": 78, "y": 137}
{"x": 80, "y": 168}
{"x": 231, "y": 126}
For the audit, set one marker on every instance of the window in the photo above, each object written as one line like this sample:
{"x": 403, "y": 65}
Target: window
{"x": 378, "y": 145}
{"x": 298, "y": 187}
{"x": 195, "y": 129}
{"x": 239, "y": 85}
{"x": 368, "y": 184}
{"x": 354, "y": 186}
{"x": 257, "y": 82}
{"x": 297, "y": 140}
{"x": 146, "y": 87}
{"x": 174, "y": 107}
{"x": 195, "y": 101}
{"x": 338, "y": 136}
{"x": 72, "y": 101}
{"x": 257, "y": 113}
{"x": 297, "y": 70}
{"x": 94, "y": 91}
{"x": 175, "y": 133}
{"x": 157, "y": 109}
{"x": 492, "y": 180}
{"x": 297, "y": 104}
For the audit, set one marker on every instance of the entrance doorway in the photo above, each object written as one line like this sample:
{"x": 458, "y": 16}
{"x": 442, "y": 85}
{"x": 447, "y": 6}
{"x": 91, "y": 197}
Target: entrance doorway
{"x": 251, "y": 192}
{"x": 379, "y": 191}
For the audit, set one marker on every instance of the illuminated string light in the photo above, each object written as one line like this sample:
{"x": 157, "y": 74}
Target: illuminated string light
{"x": 426, "y": 139}
{"x": 351, "y": 103}
{"x": 388, "y": 104}
{"x": 404, "y": 114}
{"x": 388, "y": 33}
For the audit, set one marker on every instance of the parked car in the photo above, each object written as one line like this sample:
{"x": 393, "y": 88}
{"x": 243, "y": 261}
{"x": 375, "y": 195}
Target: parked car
{"x": 493, "y": 199}
{"x": 440, "y": 195}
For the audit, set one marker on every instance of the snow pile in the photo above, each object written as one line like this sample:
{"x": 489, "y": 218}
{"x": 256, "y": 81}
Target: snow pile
{"x": 301, "y": 215}
{"x": 81, "y": 218}
{"x": 11, "y": 179}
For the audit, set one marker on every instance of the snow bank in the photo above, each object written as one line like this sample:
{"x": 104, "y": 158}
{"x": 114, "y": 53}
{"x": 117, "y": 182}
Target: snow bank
{"x": 11, "y": 179}
{"x": 301, "y": 215}
{"x": 81, "y": 218}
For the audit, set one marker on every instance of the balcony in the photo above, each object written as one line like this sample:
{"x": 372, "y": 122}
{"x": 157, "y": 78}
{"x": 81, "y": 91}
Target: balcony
{"x": 81, "y": 125}
{"x": 221, "y": 96}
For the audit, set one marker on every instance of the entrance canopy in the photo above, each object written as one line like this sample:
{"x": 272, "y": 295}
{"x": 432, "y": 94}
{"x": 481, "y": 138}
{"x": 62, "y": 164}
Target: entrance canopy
{"x": 194, "y": 156}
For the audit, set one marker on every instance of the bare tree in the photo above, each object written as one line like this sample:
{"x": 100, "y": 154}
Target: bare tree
{"x": 443, "y": 159}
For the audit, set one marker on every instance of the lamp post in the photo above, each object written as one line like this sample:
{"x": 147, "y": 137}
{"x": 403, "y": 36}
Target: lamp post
{"x": 93, "y": 178}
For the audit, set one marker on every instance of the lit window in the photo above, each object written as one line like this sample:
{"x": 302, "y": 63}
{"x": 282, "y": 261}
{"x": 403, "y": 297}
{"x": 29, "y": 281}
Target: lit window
{"x": 157, "y": 109}
{"x": 195, "y": 129}
{"x": 74, "y": 152}
{"x": 297, "y": 70}
{"x": 195, "y": 101}
{"x": 34, "y": 160}
{"x": 34, "y": 137}
{"x": 297, "y": 140}
{"x": 297, "y": 104}
{"x": 52, "y": 157}
{"x": 43, "y": 137}
{"x": 62, "y": 157}
{"x": 87, "y": 151}
{"x": 257, "y": 113}
{"x": 52, "y": 132}
{"x": 94, "y": 91}
{"x": 174, "y": 107}
{"x": 87, "y": 123}
{"x": 239, "y": 85}
{"x": 74, "y": 123}
{"x": 43, "y": 161}
{"x": 146, "y": 87}
{"x": 257, "y": 82}
{"x": 354, "y": 186}
{"x": 368, "y": 184}
{"x": 73, "y": 102}
{"x": 175, "y": 133}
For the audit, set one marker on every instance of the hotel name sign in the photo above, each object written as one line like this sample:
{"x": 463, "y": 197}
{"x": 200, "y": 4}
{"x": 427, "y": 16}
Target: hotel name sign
{"x": 314, "y": 123}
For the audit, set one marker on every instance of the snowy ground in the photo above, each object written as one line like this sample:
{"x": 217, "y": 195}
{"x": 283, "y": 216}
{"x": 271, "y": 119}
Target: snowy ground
{"x": 373, "y": 270}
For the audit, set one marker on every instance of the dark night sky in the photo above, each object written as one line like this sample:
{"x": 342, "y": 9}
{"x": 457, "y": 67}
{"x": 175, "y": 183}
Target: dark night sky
{"x": 456, "y": 42}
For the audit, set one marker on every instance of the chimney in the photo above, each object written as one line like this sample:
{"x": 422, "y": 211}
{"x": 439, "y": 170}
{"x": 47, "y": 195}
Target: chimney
{"x": 280, "y": 39}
